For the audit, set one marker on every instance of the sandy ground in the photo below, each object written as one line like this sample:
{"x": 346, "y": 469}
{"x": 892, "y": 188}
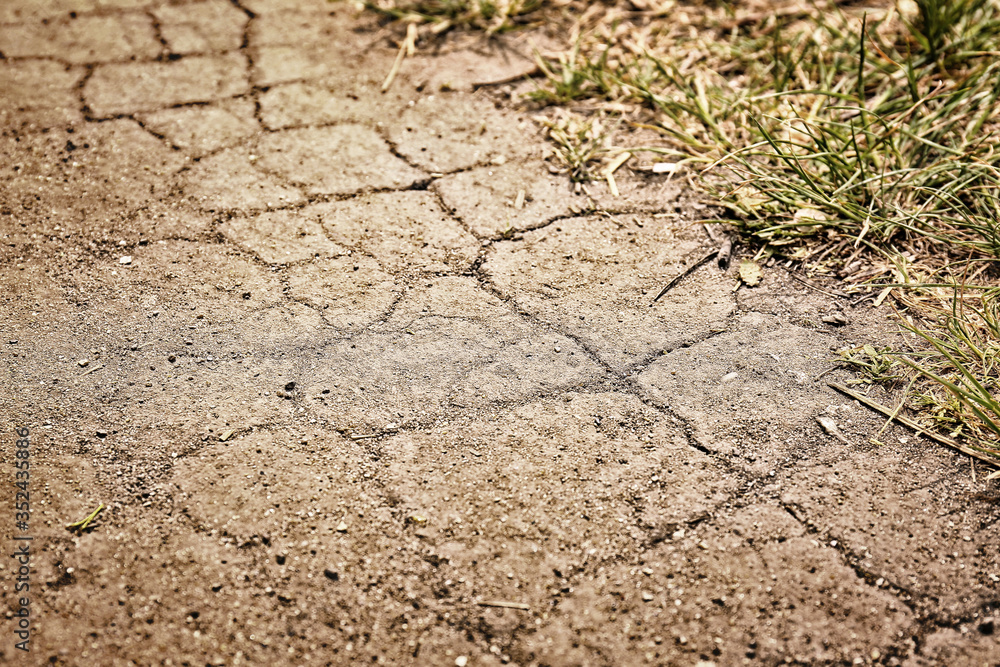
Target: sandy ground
{"x": 359, "y": 380}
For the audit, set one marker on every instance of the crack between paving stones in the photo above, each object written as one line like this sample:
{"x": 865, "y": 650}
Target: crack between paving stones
{"x": 909, "y": 598}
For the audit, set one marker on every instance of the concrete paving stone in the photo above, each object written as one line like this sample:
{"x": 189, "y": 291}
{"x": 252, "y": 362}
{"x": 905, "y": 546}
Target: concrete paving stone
{"x": 574, "y": 517}
{"x": 165, "y": 219}
{"x": 38, "y": 94}
{"x": 300, "y": 25}
{"x": 974, "y": 644}
{"x": 355, "y": 97}
{"x": 289, "y": 518}
{"x": 342, "y": 159}
{"x": 613, "y": 447}
{"x": 721, "y": 591}
{"x": 83, "y": 39}
{"x": 228, "y": 180}
{"x": 38, "y": 10}
{"x": 595, "y": 277}
{"x": 442, "y": 136}
{"x": 133, "y": 87}
{"x": 212, "y": 277}
{"x": 350, "y": 292}
{"x": 779, "y": 294}
{"x": 205, "y": 128}
{"x": 192, "y": 395}
{"x": 201, "y": 27}
{"x": 281, "y": 237}
{"x": 748, "y": 389}
{"x": 57, "y": 176}
{"x": 485, "y": 197}
{"x": 928, "y": 537}
{"x": 404, "y": 231}
{"x": 273, "y": 65}
{"x": 464, "y": 67}
{"x": 447, "y": 345}
{"x": 32, "y": 306}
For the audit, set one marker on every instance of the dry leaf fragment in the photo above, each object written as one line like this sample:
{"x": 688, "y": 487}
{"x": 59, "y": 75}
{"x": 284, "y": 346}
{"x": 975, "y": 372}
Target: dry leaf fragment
{"x": 751, "y": 273}
{"x": 831, "y": 428}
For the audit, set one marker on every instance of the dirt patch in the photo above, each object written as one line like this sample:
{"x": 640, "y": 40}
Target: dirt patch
{"x": 360, "y": 378}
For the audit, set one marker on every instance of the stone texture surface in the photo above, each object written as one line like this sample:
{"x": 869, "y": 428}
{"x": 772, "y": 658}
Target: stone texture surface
{"x": 348, "y": 368}
{"x": 128, "y": 88}
{"x": 441, "y": 136}
{"x": 230, "y": 180}
{"x": 342, "y": 159}
{"x": 755, "y": 388}
{"x": 280, "y": 237}
{"x": 83, "y": 39}
{"x": 203, "y": 129}
{"x": 38, "y": 93}
{"x": 201, "y": 27}
{"x": 485, "y": 198}
{"x": 406, "y": 231}
{"x": 597, "y": 276}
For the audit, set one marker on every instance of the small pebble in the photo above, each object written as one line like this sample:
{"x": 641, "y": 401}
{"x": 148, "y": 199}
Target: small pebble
{"x": 332, "y": 575}
{"x": 342, "y": 527}
{"x": 461, "y": 661}
{"x": 126, "y": 260}
{"x": 83, "y": 362}
{"x": 101, "y": 433}
{"x": 172, "y": 358}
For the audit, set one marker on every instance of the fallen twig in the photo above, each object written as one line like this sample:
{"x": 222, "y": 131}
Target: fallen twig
{"x": 725, "y": 253}
{"x": 504, "y": 605}
{"x": 688, "y": 271}
{"x": 405, "y": 49}
{"x": 920, "y": 429}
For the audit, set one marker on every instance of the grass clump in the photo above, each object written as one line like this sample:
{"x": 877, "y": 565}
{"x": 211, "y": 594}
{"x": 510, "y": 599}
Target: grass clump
{"x": 491, "y": 16}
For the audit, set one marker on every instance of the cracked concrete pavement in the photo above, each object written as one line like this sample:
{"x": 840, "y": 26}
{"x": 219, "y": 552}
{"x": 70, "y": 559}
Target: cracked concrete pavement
{"x": 349, "y": 368}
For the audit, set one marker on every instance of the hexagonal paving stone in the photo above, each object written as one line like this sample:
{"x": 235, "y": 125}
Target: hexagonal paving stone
{"x": 486, "y": 198}
{"x": 301, "y": 27}
{"x": 335, "y": 160}
{"x": 349, "y": 293}
{"x": 402, "y": 230}
{"x": 280, "y": 237}
{"x": 96, "y": 162}
{"x": 355, "y": 97}
{"x": 440, "y": 135}
{"x": 283, "y": 64}
{"x": 201, "y": 27}
{"x": 204, "y": 128}
{"x": 38, "y": 10}
{"x": 448, "y": 343}
{"x": 132, "y": 87}
{"x": 949, "y": 566}
{"x": 725, "y": 590}
{"x": 746, "y": 390}
{"x": 484, "y": 63}
{"x": 38, "y": 92}
{"x": 596, "y": 278}
{"x": 229, "y": 180}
